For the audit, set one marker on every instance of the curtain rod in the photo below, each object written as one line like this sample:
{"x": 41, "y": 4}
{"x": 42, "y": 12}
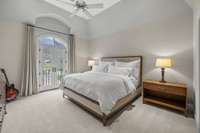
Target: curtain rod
{"x": 49, "y": 30}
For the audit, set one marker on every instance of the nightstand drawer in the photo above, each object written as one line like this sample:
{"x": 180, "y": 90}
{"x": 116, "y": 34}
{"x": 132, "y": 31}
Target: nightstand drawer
{"x": 166, "y": 89}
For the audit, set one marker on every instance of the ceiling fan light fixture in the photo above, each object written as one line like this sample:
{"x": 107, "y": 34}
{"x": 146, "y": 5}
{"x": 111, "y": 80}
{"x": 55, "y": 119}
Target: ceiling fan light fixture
{"x": 83, "y": 6}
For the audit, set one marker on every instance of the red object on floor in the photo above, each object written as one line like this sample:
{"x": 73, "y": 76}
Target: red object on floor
{"x": 11, "y": 93}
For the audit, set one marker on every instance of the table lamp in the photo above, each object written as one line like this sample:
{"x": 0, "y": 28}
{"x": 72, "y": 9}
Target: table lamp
{"x": 163, "y": 63}
{"x": 91, "y": 63}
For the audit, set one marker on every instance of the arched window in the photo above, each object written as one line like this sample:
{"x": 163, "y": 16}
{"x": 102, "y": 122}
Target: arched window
{"x": 55, "y": 52}
{"x": 52, "y": 61}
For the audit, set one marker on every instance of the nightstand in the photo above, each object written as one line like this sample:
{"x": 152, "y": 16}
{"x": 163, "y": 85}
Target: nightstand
{"x": 170, "y": 95}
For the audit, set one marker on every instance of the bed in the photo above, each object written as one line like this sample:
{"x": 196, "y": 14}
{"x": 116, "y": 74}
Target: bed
{"x": 101, "y": 101}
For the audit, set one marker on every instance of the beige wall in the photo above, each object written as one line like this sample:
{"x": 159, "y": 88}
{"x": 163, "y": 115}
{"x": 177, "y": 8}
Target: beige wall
{"x": 12, "y": 36}
{"x": 82, "y": 55}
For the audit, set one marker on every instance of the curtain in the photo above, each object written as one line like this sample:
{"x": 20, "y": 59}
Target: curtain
{"x": 71, "y": 56}
{"x": 29, "y": 78}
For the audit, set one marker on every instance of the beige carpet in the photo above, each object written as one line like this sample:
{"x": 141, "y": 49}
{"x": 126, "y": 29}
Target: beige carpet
{"x": 48, "y": 112}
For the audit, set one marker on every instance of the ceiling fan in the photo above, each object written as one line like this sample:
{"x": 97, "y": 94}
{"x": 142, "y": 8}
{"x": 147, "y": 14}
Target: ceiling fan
{"x": 81, "y": 5}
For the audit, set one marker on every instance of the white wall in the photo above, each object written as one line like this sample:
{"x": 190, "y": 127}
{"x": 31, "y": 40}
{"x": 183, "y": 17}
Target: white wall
{"x": 13, "y": 16}
{"x": 150, "y": 28}
{"x": 26, "y": 11}
{"x": 196, "y": 25}
{"x": 53, "y": 24}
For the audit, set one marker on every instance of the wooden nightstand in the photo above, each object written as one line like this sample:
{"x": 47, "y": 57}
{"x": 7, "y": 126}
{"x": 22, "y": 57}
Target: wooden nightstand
{"x": 170, "y": 95}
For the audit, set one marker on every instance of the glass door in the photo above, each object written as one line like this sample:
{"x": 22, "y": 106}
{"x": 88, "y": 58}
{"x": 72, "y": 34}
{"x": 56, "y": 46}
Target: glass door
{"x": 52, "y": 62}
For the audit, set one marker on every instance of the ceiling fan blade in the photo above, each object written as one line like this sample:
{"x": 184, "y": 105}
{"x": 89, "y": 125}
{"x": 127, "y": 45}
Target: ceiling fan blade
{"x": 65, "y": 2}
{"x": 100, "y": 5}
{"x": 75, "y": 12}
{"x": 87, "y": 13}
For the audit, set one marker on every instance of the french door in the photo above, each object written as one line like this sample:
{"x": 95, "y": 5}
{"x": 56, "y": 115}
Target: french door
{"x": 52, "y": 62}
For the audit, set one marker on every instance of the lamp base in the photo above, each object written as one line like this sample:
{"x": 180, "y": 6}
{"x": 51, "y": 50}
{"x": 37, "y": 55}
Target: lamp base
{"x": 163, "y": 75}
{"x": 90, "y": 68}
{"x": 162, "y": 81}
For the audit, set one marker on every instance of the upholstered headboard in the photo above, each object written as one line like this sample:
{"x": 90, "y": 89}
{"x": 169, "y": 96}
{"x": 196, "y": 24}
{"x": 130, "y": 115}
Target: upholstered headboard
{"x": 126, "y": 59}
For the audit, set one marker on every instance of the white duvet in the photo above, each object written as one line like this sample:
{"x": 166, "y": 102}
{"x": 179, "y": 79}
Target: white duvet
{"x": 104, "y": 88}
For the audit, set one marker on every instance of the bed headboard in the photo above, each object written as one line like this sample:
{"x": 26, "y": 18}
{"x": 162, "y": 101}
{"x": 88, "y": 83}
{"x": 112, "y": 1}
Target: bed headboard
{"x": 126, "y": 59}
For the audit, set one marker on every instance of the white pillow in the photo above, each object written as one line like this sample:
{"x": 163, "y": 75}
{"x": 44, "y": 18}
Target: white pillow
{"x": 106, "y": 64}
{"x": 100, "y": 68}
{"x": 125, "y": 71}
{"x": 135, "y": 65}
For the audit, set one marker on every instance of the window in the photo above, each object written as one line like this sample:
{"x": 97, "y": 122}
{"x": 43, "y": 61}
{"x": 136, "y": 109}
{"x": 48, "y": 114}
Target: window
{"x": 52, "y": 62}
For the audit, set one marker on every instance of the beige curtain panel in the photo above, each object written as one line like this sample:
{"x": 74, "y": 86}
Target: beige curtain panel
{"x": 29, "y": 77}
{"x": 71, "y": 56}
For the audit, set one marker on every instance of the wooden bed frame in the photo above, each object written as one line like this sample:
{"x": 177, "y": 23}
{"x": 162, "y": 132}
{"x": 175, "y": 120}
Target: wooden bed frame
{"x": 93, "y": 107}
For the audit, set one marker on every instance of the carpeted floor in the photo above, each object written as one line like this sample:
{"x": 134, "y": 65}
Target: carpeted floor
{"x": 48, "y": 112}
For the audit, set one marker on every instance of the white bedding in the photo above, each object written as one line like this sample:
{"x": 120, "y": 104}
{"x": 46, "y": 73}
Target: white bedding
{"x": 105, "y": 88}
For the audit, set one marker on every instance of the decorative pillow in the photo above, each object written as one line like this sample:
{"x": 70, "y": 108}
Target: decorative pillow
{"x": 134, "y": 80}
{"x": 100, "y": 68}
{"x": 106, "y": 64}
{"x": 135, "y": 65}
{"x": 125, "y": 71}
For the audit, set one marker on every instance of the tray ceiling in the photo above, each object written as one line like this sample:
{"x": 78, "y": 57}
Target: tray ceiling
{"x": 107, "y": 4}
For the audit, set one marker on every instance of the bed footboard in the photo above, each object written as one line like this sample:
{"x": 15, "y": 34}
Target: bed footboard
{"x": 93, "y": 107}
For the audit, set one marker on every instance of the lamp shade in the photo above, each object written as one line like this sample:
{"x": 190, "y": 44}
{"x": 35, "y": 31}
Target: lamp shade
{"x": 163, "y": 62}
{"x": 91, "y": 62}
